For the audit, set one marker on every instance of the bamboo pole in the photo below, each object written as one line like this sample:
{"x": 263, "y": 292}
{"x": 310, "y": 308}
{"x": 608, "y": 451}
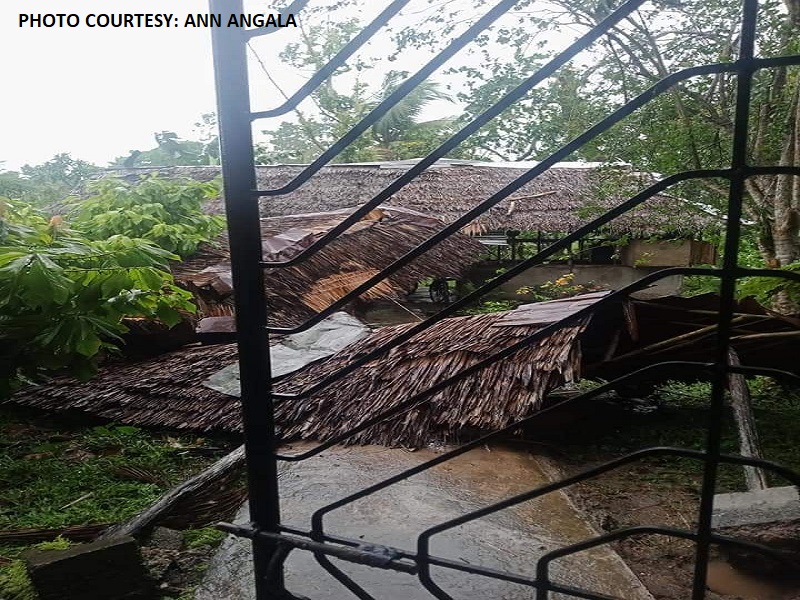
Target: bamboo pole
{"x": 673, "y": 342}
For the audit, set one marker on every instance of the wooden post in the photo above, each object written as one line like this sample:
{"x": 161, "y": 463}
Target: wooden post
{"x": 749, "y": 445}
{"x": 228, "y": 463}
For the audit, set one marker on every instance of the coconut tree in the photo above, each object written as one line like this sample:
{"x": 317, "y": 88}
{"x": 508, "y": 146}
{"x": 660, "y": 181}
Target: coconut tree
{"x": 399, "y": 134}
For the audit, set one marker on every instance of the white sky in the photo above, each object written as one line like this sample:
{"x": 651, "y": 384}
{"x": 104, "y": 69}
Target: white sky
{"x": 99, "y": 93}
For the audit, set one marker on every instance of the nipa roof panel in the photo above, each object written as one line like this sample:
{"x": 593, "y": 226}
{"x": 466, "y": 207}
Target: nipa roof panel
{"x": 544, "y": 313}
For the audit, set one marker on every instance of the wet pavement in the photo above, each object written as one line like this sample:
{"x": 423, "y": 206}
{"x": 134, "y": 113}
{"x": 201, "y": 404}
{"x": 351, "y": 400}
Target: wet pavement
{"x": 510, "y": 540}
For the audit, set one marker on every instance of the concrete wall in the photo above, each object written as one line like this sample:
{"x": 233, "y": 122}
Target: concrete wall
{"x": 607, "y": 276}
{"x": 667, "y": 253}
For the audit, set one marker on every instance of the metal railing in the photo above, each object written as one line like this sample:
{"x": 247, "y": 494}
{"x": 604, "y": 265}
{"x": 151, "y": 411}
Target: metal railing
{"x": 273, "y": 541}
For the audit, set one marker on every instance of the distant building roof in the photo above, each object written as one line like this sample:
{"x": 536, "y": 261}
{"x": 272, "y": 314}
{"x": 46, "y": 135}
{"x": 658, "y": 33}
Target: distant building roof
{"x": 560, "y": 200}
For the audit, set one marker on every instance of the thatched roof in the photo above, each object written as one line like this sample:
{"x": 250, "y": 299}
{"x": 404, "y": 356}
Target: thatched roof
{"x": 169, "y": 391}
{"x": 165, "y": 391}
{"x": 296, "y": 293}
{"x": 560, "y": 200}
{"x": 493, "y": 398}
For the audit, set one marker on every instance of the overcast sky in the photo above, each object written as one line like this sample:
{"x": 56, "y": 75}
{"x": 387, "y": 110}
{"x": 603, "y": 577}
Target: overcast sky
{"x": 99, "y": 93}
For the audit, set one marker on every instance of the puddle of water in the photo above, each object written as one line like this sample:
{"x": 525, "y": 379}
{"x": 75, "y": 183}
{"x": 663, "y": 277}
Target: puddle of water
{"x": 725, "y": 580}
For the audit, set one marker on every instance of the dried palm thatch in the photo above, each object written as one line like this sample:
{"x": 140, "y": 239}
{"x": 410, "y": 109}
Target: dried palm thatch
{"x": 167, "y": 391}
{"x": 214, "y": 502}
{"x": 164, "y": 391}
{"x": 76, "y": 533}
{"x": 297, "y": 292}
{"x": 329, "y": 289}
{"x": 490, "y": 399}
{"x": 562, "y": 199}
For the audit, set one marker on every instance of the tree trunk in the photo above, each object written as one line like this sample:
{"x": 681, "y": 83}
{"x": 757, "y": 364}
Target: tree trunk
{"x": 786, "y": 204}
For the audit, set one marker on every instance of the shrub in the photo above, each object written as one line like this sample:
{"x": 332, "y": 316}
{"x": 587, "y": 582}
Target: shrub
{"x": 167, "y": 213}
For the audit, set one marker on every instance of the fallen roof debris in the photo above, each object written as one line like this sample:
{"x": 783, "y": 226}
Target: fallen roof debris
{"x": 295, "y": 293}
{"x": 616, "y": 338}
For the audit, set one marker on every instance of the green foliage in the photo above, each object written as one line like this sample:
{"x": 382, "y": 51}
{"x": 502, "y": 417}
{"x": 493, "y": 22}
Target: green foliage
{"x": 344, "y": 99}
{"x": 690, "y": 395}
{"x": 688, "y": 126}
{"x": 695, "y": 285}
{"x": 765, "y": 289}
{"x": 680, "y": 418}
{"x": 45, "y": 474}
{"x": 63, "y": 297}
{"x": 56, "y": 475}
{"x": 548, "y": 117}
{"x": 168, "y": 213}
{"x": 173, "y": 151}
{"x": 492, "y": 306}
{"x": 47, "y": 183}
{"x": 206, "y": 537}
{"x": 15, "y": 583}
{"x": 59, "y": 543}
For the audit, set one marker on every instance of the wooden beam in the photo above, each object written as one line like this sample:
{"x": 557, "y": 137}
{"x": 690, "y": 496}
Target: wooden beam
{"x": 741, "y": 403}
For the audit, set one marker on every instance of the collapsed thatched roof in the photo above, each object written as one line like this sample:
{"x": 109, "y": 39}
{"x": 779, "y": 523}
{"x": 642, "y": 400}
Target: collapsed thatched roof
{"x": 165, "y": 391}
{"x": 560, "y": 200}
{"x": 169, "y": 391}
{"x": 495, "y": 397}
{"x": 296, "y": 292}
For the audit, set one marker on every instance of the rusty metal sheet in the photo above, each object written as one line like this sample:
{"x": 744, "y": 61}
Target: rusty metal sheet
{"x": 544, "y": 313}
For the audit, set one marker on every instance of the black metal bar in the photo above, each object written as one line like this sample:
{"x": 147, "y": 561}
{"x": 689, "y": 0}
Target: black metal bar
{"x": 342, "y": 577}
{"x": 337, "y": 61}
{"x": 271, "y": 544}
{"x": 727, "y": 293}
{"x": 557, "y": 553}
{"x": 766, "y": 372}
{"x": 233, "y": 99}
{"x": 363, "y": 557}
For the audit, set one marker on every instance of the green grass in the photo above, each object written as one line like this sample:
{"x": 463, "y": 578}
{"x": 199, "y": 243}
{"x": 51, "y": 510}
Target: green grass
{"x": 681, "y": 420}
{"x": 14, "y": 582}
{"x": 58, "y": 474}
{"x": 61, "y": 478}
{"x": 206, "y": 537}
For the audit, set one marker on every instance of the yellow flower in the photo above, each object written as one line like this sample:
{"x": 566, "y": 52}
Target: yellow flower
{"x": 564, "y": 280}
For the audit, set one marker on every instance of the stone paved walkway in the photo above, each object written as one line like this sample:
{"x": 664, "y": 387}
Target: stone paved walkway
{"x": 510, "y": 540}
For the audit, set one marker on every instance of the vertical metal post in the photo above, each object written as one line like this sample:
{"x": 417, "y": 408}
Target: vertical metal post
{"x": 244, "y": 233}
{"x": 739, "y": 173}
